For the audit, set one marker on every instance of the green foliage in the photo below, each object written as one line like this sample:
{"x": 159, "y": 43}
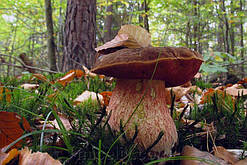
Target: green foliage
{"x": 90, "y": 140}
{"x": 217, "y": 62}
{"x": 199, "y": 25}
{"x": 23, "y": 28}
{"x": 203, "y": 85}
{"x": 228, "y": 119}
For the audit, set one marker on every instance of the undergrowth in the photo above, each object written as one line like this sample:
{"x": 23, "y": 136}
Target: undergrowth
{"x": 91, "y": 141}
{"x": 228, "y": 124}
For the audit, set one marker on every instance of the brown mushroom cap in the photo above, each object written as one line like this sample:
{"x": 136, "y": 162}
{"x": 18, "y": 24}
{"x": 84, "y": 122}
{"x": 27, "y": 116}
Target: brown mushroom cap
{"x": 174, "y": 65}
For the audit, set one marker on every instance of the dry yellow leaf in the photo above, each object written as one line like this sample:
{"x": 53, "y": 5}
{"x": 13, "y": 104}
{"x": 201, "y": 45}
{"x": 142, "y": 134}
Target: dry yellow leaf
{"x": 1, "y": 92}
{"x": 137, "y": 36}
{"x": 87, "y": 95}
{"x": 40, "y": 77}
{"x": 241, "y": 162}
{"x": 37, "y": 158}
{"x": 29, "y": 86}
{"x": 7, "y": 157}
{"x": 194, "y": 152}
{"x": 222, "y": 153}
{"x": 130, "y": 36}
{"x": 235, "y": 90}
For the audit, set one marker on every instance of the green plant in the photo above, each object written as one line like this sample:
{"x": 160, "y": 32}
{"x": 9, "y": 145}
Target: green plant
{"x": 222, "y": 112}
{"x": 217, "y": 62}
{"x": 91, "y": 141}
{"x": 203, "y": 85}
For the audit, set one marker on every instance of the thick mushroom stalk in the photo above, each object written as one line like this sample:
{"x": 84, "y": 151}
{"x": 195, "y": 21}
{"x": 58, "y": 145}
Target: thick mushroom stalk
{"x": 152, "y": 115}
{"x": 173, "y": 65}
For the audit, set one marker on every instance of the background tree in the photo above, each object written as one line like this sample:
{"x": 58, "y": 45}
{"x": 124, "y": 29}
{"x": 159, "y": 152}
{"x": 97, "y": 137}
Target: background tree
{"x": 108, "y": 23}
{"x": 215, "y": 28}
{"x": 50, "y": 42}
{"x": 143, "y": 16}
{"x": 79, "y": 34}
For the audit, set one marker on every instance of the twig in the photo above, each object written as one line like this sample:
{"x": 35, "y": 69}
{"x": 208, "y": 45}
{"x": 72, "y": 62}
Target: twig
{"x": 24, "y": 66}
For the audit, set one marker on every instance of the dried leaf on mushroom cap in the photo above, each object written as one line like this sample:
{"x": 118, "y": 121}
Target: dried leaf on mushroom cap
{"x": 137, "y": 36}
{"x": 130, "y": 36}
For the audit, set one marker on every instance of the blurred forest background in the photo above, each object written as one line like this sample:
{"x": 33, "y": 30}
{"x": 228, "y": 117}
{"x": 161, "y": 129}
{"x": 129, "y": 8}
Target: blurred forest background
{"x": 59, "y": 35}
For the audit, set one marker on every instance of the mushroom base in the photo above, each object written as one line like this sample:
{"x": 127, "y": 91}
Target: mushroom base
{"x": 151, "y": 116}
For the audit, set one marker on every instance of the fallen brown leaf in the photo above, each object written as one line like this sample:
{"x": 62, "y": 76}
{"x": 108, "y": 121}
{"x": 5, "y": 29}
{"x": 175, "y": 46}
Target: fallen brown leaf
{"x": 11, "y": 128}
{"x": 5, "y": 92}
{"x": 40, "y": 77}
{"x": 116, "y": 42}
{"x": 241, "y": 162}
{"x": 193, "y": 152}
{"x": 64, "y": 119}
{"x": 243, "y": 81}
{"x": 91, "y": 74}
{"x": 106, "y": 97}
{"x": 37, "y": 158}
{"x": 235, "y": 90}
{"x": 29, "y": 86}
{"x": 222, "y": 153}
{"x": 7, "y": 157}
{"x": 69, "y": 76}
{"x": 179, "y": 92}
{"x": 130, "y": 36}
{"x": 207, "y": 96}
{"x": 87, "y": 95}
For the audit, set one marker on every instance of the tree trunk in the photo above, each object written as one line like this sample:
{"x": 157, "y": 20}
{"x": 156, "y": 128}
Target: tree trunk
{"x": 220, "y": 37}
{"x": 60, "y": 36}
{"x": 242, "y": 39}
{"x": 50, "y": 41}
{"x": 187, "y": 35}
{"x": 108, "y": 24}
{"x": 226, "y": 27}
{"x": 143, "y": 21}
{"x": 232, "y": 33}
{"x": 146, "y": 24}
{"x": 79, "y": 34}
{"x": 195, "y": 25}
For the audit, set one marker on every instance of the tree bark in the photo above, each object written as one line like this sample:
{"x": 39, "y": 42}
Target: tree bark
{"x": 79, "y": 34}
{"x": 108, "y": 24}
{"x": 195, "y": 24}
{"x": 60, "y": 36}
{"x": 143, "y": 21}
{"x": 146, "y": 24}
{"x": 227, "y": 45}
{"x": 50, "y": 41}
{"x": 242, "y": 38}
{"x": 232, "y": 33}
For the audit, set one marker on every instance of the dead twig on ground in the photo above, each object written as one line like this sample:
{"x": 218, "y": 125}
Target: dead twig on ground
{"x": 24, "y": 66}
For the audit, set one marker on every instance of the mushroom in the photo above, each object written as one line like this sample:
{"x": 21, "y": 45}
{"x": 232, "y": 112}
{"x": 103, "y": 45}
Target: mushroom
{"x": 140, "y": 87}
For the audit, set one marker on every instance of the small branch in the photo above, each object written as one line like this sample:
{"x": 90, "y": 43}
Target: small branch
{"x": 24, "y": 66}
{"x": 14, "y": 65}
{"x": 28, "y": 67}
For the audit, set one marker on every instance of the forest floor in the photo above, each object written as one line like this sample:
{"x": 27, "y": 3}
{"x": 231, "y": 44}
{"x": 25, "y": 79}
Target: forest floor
{"x": 65, "y": 116}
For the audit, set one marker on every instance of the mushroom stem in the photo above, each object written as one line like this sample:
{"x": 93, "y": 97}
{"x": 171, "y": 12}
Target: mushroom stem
{"x": 151, "y": 116}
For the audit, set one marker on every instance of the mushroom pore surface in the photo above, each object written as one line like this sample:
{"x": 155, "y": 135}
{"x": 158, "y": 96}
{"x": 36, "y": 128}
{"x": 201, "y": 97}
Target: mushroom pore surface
{"x": 151, "y": 116}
